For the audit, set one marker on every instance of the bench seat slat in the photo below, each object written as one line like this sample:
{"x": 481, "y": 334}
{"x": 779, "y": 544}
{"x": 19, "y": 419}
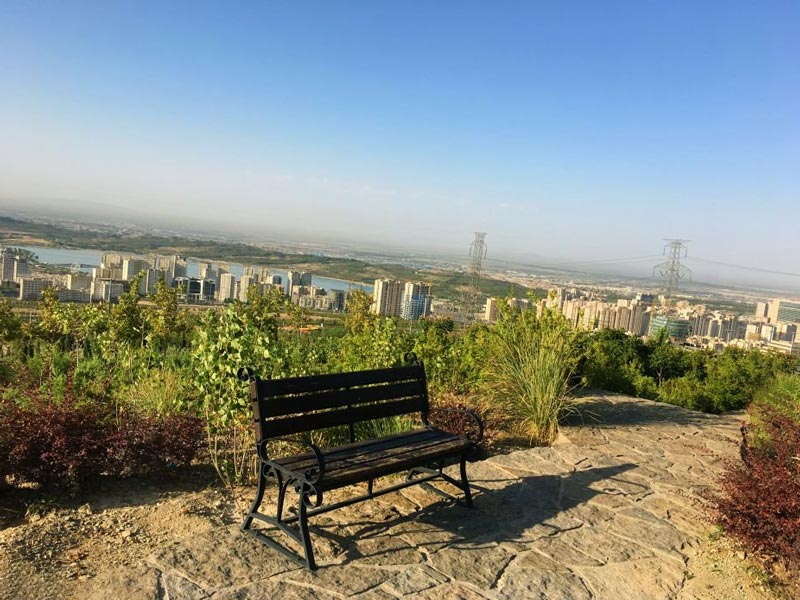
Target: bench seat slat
{"x": 333, "y": 456}
{"x": 358, "y": 462}
{"x": 325, "y": 399}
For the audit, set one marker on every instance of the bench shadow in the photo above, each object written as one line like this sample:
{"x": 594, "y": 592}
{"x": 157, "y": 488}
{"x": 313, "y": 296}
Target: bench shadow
{"x": 103, "y": 493}
{"x": 614, "y": 410}
{"x": 525, "y": 509}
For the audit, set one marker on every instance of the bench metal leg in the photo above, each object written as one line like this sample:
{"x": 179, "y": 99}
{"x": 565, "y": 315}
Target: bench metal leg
{"x": 296, "y": 525}
{"x": 302, "y": 522}
{"x": 463, "y": 485}
{"x": 262, "y": 484}
{"x": 282, "y": 486}
{"x": 465, "y": 482}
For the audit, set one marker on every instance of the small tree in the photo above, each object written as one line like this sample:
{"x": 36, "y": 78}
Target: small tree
{"x": 225, "y": 342}
{"x": 164, "y": 318}
{"x": 10, "y": 326}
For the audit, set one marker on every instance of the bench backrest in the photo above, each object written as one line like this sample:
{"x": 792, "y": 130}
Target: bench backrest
{"x": 299, "y": 404}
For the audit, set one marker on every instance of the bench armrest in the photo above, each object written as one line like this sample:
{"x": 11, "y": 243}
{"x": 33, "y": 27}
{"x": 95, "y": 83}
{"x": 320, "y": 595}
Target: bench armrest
{"x": 311, "y": 475}
{"x": 462, "y": 411}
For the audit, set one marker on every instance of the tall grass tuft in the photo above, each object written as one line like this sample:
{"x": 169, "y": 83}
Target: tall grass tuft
{"x": 528, "y": 375}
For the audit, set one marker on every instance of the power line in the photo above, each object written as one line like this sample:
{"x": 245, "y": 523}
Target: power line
{"x": 744, "y": 268}
{"x": 605, "y": 260}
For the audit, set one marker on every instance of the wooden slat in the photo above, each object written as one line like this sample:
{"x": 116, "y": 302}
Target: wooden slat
{"x": 325, "y": 399}
{"x": 362, "y": 461}
{"x": 334, "y": 455}
{"x": 294, "y": 385}
{"x": 392, "y": 464}
{"x": 366, "y": 458}
{"x": 331, "y": 418}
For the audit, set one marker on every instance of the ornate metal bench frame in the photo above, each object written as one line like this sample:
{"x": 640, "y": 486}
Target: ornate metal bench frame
{"x": 310, "y": 482}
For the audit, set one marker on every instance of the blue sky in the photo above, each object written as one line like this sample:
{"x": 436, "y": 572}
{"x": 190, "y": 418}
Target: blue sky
{"x": 571, "y": 130}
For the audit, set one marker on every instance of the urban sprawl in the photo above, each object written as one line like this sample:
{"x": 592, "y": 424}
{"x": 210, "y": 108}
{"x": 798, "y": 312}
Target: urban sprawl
{"x": 772, "y": 327}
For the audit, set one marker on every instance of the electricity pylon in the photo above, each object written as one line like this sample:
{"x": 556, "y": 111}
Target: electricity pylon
{"x": 671, "y": 270}
{"x": 477, "y": 252}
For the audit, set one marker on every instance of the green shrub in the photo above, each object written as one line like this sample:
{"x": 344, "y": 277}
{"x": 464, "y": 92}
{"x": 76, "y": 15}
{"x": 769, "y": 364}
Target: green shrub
{"x": 226, "y": 341}
{"x": 782, "y": 397}
{"x": 612, "y": 361}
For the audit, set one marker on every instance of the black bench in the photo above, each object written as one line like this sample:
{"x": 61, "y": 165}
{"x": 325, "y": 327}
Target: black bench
{"x": 284, "y": 407}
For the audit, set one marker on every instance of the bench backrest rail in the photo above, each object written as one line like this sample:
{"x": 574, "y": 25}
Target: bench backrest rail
{"x": 300, "y": 404}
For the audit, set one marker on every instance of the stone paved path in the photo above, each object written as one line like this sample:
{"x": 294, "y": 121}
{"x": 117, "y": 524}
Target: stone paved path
{"x": 614, "y": 510}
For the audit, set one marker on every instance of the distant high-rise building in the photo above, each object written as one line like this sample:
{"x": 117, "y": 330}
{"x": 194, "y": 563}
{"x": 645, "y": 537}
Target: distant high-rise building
{"x": 762, "y": 309}
{"x": 7, "y": 260}
{"x": 784, "y": 311}
{"x": 31, "y": 288}
{"x": 227, "y": 287}
{"x": 244, "y": 286}
{"x": 416, "y": 301}
{"x": 676, "y": 328}
{"x": 12, "y": 265}
{"x": 205, "y": 270}
{"x": 20, "y": 268}
{"x": 149, "y": 283}
{"x": 111, "y": 260}
{"x": 106, "y": 290}
{"x": 700, "y": 324}
{"x": 292, "y": 279}
{"x": 640, "y": 320}
{"x": 177, "y": 266}
{"x": 131, "y": 267}
{"x": 338, "y": 298}
{"x": 490, "y": 311}
{"x": 645, "y": 299}
{"x": 78, "y": 281}
{"x": 623, "y": 318}
{"x": 388, "y": 294}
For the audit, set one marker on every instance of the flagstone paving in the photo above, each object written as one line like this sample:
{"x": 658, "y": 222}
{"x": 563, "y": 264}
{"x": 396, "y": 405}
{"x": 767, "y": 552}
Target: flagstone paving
{"x": 616, "y": 509}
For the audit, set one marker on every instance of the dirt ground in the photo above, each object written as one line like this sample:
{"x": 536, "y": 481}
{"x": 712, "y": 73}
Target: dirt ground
{"x": 62, "y": 545}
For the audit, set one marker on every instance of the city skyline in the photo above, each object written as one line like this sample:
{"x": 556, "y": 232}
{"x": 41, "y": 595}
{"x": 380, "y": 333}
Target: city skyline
{"x": 575, "y": 135}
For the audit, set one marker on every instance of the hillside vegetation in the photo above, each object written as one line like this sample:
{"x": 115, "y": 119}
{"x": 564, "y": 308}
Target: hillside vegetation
{"x": 446, "y": 284}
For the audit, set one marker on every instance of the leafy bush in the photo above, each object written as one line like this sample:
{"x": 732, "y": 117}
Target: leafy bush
{"x": 761, "y": 502}
{"x": 612, "y": 361}
{"x": 47, "y": 443}
{"x": 226, "y": 341}
{"x": 66, "y": 444}
{"x": 149, "y": 443}
{"x": 781, "y": 397}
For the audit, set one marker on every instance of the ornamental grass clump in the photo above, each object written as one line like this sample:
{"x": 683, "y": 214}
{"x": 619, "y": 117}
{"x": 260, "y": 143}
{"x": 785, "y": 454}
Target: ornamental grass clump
{"x": 528, "y": 374}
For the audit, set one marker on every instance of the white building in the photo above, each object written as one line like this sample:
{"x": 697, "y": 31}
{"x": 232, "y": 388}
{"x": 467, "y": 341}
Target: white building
{"x": 388, "y": 294}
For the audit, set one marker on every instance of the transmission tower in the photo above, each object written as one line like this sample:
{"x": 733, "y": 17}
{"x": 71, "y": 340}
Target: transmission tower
{"x": 671, "y": 270}
{"x": 477, "y": 252}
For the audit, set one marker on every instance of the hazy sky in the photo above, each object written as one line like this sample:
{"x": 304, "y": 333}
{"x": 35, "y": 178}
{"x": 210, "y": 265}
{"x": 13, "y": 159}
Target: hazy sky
{"x": 573, "y": 130}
